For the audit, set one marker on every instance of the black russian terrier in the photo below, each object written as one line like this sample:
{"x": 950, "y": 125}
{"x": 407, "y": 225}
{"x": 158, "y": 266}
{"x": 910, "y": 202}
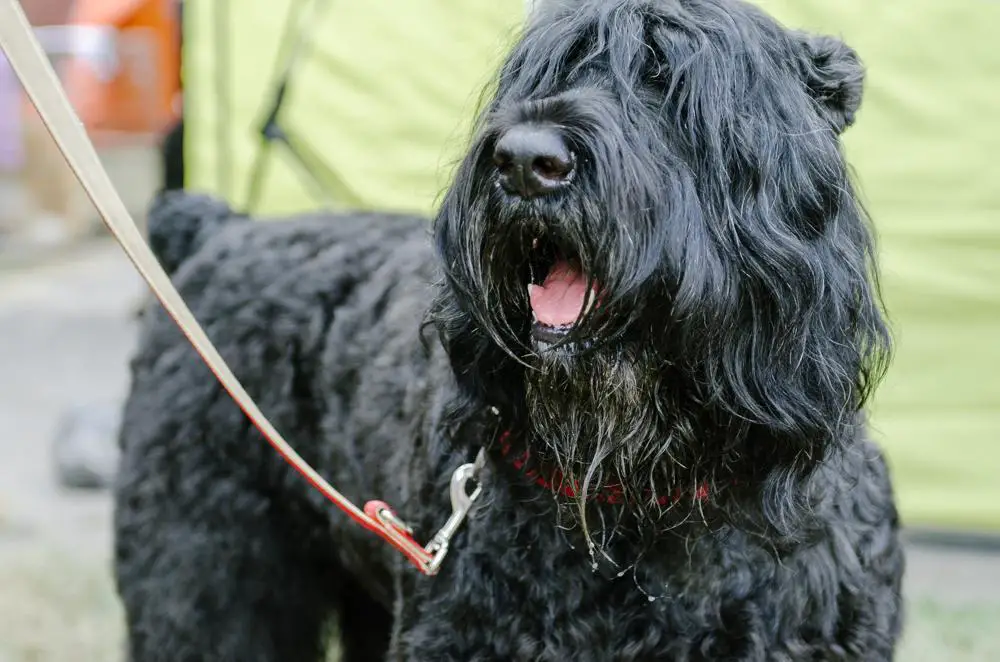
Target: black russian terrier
{"x": 650, "y": 296}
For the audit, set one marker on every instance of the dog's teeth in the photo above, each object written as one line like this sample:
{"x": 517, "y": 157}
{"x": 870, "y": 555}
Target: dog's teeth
{"x": 534, "y": 243}
{"x": 591, "y": 300}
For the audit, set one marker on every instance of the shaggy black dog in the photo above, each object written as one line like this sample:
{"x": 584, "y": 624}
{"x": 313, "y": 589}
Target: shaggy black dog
{"x": 650, "y": 296}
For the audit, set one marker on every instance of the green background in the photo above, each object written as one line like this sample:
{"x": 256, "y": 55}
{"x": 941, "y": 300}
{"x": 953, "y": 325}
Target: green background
{"x": 388, "y": 90}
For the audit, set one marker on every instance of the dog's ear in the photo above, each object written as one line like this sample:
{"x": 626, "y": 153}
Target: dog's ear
{"x": 834, "y": 75}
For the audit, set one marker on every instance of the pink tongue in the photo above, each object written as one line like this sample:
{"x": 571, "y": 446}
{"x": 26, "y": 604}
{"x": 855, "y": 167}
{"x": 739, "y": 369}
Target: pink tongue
{"x": 559, "y": 300}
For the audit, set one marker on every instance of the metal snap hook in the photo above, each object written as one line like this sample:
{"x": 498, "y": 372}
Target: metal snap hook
{"x": 461, "y": 502}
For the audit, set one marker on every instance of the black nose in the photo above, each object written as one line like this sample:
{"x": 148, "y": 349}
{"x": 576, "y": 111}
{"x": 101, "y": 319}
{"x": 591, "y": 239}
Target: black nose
{"x": 533, "y": 160}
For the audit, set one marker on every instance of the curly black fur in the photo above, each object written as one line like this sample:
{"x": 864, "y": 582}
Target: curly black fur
{"x": 718, "y": 384}
{"x": 179, "y": 223}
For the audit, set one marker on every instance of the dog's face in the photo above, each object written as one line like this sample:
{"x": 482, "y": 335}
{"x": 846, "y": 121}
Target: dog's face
{"x": 654, "y": 260}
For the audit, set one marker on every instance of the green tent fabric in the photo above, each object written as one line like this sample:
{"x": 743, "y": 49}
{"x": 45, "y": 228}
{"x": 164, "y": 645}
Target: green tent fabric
{"x": 387, "y": 93}
{"x": 384, "y": 92}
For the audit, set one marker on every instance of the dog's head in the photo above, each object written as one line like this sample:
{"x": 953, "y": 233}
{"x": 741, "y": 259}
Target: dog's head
{"x": 654, "y": 261}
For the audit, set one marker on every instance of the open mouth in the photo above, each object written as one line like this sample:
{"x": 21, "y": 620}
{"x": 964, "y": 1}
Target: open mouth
{"x": 560, "y": 292}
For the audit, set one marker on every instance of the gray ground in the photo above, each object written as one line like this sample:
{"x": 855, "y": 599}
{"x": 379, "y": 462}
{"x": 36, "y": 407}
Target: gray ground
{"x": 66, "y": 330}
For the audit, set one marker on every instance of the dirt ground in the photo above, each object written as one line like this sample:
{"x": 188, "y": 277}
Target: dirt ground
{"x": 66, "y": 331}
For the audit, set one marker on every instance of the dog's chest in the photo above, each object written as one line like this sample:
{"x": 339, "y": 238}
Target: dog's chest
{"x": 518, "y": 590}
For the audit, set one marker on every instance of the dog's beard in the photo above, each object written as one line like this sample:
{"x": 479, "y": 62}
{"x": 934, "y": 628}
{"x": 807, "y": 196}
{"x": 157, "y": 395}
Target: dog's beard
{"x": 597, "y": 422}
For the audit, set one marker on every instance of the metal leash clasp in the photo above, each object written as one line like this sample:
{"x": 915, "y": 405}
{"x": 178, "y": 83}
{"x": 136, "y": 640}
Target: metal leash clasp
{"x": 461, "y": 503}
{"x": 398, "y": 533}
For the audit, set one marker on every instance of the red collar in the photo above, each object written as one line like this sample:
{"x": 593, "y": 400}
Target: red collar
{"x": 553, "y": 480}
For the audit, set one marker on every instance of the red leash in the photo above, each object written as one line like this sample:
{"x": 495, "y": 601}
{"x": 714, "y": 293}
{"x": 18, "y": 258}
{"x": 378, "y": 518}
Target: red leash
{"x": 377, "y": 516}
{"x": 42, "y": 85}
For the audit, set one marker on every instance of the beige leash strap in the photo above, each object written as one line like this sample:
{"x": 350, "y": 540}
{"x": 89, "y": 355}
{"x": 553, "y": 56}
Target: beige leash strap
{"x": 42, "y": 84}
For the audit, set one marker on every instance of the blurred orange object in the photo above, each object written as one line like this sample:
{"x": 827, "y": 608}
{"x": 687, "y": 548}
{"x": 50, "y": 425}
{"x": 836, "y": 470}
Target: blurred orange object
{"x": 138, "y": 97}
